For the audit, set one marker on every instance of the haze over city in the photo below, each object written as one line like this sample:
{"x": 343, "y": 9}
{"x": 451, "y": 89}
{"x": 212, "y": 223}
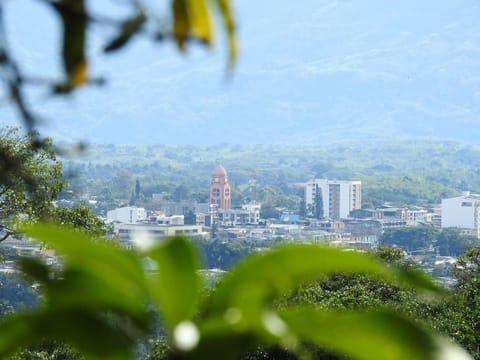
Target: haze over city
{"x": 309, "y": 71}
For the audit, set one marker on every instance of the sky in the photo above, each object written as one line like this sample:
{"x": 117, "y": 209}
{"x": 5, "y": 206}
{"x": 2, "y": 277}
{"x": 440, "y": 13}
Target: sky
{"x": 310, "y": 70}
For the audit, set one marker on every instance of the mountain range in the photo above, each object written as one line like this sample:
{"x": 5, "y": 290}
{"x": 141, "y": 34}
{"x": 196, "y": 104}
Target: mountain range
{"x": 309, "y": 71}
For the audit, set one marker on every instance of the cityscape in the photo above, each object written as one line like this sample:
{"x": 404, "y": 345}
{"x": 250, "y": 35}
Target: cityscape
{"x": 343, "y": 223}
{"x": 218, "y": 179}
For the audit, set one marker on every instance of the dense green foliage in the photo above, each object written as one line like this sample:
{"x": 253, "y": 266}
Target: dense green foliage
{"x": 453, "y": 315}
{"x": 30, "y": 178}
{"x": 424, "y": 174}
{"x": 48, "y": 350}
{"x": 15, "y": 294}
{"x": 80, "y": 218}
{"x": 217, "y": 254}
{"x": 97, "y": 301}
{"x": 424, "y": 239}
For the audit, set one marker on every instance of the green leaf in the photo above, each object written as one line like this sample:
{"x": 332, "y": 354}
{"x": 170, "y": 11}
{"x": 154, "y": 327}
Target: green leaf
{"x": 176, "y": 284}
{"x": 258, "y": 279}
{"x": 181, "y": 22}
{"x": 117, "y": 268}
{"x": 364, "y": 336}
{"x": 218, "y": 337}
{"x": 130, "y": 27}
{"x": 34, "y": 268}
{"x": 93, "y": 334}
{"x": 80, "y": 289}
{"x": 74, "y": 20}
{"x": 16, "y": 331}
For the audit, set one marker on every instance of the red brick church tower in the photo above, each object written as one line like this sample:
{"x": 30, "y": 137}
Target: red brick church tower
{"x": 220, "y": 189}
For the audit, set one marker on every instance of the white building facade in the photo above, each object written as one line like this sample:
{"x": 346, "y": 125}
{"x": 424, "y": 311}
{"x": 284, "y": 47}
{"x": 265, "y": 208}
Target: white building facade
{"x": 127, "y": 215}
{"x": 249, "y": 214}
{"x": 462, "y": 212}
{"x": 338, "y": 197}
{"x": 131, "y": 232}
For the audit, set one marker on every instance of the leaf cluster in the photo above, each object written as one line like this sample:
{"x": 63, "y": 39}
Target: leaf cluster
{"x": 98, "y": 301}
{"x": 30, "y": 177}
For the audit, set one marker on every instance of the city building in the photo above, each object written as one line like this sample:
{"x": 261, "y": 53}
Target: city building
{"x": 248, "y": 214}
{"x": 127, "y": 215}
{"x": 462, "y": 212}
{"x": 417, "y": 216}
{"x": 220, "y": 192}
{"x": 333, "y": 199}
{"x": 167, "y": 220}
{"x": 183, "y": 208}
{"x": 128, "y": 232}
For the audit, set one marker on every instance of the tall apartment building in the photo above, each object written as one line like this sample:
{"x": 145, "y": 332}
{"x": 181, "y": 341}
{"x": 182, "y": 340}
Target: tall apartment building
{"x": 462, "y": 212}
{"x": 333, "y": 199}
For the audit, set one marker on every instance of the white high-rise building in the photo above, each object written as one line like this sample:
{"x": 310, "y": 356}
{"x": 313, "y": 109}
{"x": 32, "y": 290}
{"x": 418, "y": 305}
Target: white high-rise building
{"x": 462, "y": 212}
{"x": 338, "y": 197}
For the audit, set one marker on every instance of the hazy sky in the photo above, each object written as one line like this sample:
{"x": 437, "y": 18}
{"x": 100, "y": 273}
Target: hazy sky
{"x": 309, "y": 63}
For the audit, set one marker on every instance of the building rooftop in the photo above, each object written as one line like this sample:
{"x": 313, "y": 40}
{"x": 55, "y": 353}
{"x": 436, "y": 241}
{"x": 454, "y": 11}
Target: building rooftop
{"x": 219, "y": 171}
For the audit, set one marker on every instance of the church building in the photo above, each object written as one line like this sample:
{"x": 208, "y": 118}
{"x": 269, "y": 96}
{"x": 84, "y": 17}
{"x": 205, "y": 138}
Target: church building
{"x": 220, "y": 193}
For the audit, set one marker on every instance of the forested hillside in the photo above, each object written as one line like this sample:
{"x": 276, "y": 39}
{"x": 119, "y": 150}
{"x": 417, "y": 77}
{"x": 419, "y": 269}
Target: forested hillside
{"x": 407, "y": 172}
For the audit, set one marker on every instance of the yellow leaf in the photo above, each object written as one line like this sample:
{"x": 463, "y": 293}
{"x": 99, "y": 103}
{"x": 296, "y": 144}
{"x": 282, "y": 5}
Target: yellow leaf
{"x": 229, "y": 25}
{"x": 79, "y": 75}
{"x": 200, "y": 25}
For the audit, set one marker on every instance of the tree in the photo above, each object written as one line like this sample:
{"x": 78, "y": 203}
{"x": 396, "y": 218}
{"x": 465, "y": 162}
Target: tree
{"x": 190, "y": 218}
{"x": 458, "y": 314}
{"x": 30, "y": 181}
{"x": 451, "y": 242}
{"x": 218, "y": 254}
{"x": 48, "y": 350}
{"x": 180, "y": 193}
{"x": 269, "y": 211}
{"x": 79, "y": 218}
{"x": 122, "y": 184}
{"x": 16, "y": 294}
{"x": 410, "y": 238}
{"x": 138, "y": 189}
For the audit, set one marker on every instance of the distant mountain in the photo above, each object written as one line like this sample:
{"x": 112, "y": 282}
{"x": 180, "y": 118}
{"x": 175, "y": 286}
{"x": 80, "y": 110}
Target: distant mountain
{"x": 310, "y": 71}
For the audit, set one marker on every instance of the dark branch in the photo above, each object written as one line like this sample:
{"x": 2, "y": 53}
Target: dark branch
{"x": 13, "y": 80}
{"x": 8, "y": 232}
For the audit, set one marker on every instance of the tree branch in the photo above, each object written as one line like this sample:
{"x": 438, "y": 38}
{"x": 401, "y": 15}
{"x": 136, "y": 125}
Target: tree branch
{"x": 13, "y": 79}
{"x": 8, "y": 232}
